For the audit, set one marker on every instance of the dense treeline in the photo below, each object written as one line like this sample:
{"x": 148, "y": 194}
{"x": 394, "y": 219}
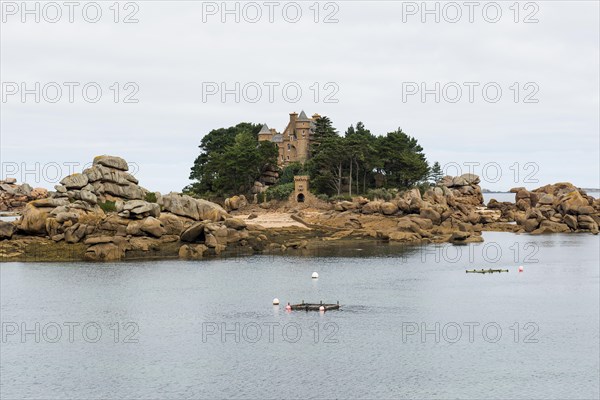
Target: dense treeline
{"x": 231, "y": 161}
{"x": 359, "y": 160}
{"x": 349, "y": 164}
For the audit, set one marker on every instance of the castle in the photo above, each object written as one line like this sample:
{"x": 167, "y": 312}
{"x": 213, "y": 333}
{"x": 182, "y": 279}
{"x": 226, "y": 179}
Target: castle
{"x": 294, "y": 142}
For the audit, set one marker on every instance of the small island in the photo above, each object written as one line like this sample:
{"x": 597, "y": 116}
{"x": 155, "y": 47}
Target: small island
{"x": 260, "y": 191}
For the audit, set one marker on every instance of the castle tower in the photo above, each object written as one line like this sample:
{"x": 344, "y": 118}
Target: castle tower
{"x": 265, "y": 133}
{"x": 301, "y": 188}
{"x": 303, "y": 127}
{"x": 293, "y": 118}
{"x": 294, "y": 141}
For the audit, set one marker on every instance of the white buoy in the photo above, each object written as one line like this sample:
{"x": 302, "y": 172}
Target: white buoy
{"x": 315, "y": 275}
{"x": 322, "y": 309}
{"x": 275, "y": 301}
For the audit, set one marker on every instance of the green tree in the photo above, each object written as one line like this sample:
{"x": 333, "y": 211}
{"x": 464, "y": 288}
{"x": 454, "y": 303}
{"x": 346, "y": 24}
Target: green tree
{"x": 326, "y": 166}
{"x": 363, "y": 158}
{"x": 289, "y": 171}
{"x": 436, "y": 174}
{"x": 230, "y": 161}
{"x": 323, "y": 130}
{"x": 402, "y": 160}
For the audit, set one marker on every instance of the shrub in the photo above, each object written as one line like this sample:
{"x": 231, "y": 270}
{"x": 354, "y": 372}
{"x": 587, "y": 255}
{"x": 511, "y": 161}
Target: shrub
{"x": 150, "y": 197}
{"x": 341, "y": 197}
{"x": 280, "y": 192}
{"x": 382, "y": 193}
{"x": 423, "y": 187}
{"x": 289, "y": 171}
{"x": 323, "y": 197}
{"x": 108, "y": 206}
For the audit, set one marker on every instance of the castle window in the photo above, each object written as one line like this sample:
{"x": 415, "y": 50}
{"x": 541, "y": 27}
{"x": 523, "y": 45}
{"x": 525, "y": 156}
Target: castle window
{"x": 289, "y": 147}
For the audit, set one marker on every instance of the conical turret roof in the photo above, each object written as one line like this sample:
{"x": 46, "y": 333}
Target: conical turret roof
{"x": 264, "y": 129}
{"x": 303, "y": 117}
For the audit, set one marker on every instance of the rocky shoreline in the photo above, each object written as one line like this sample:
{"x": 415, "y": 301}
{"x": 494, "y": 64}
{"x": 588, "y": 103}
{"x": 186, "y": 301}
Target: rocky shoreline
{"x": 103, "y": 214}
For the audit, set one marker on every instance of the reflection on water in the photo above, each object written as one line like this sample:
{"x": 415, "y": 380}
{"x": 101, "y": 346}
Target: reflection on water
{"x": 206, "y": 329}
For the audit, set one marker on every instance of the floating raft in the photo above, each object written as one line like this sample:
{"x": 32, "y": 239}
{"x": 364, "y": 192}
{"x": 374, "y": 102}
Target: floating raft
{"x": 485, "y": 271}
{"x": 315, "y": 306}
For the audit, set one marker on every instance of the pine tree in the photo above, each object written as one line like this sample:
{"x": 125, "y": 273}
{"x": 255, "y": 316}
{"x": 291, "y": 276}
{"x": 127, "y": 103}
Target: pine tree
{"x": 436, "y": 173}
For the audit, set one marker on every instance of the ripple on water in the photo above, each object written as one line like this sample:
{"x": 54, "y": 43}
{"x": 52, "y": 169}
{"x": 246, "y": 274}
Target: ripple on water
{"x": 359, "y": 351}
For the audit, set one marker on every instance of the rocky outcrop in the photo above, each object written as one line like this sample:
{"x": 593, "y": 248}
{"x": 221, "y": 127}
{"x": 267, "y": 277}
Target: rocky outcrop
{"x": 104, "y": 252}
{"x": 113, "y": 162}
{"x": 389, "y": 208}
{"x": 506, "y": 208}
{"x": 269, "y": 176}
{"x": 235, "y": 203}
{"x": 128, "y": 221}
{"x": 455, "y": 205}
{"x": 459, "y": 198}
{"x": 192, "y": 252}
{"x": 258, "y": 188}
{"x": 194, "y": 233}
{"x": 14, "y": 197}
{"x": 453, "y": 194}
{"x": 465, "y": 189}
{"x": 196, "y": 209}
{"x": 559, "y": 207}
{"x": 106, "y": 210}
{"x": 7, "y": 229}
{"x": 140, "y": 209}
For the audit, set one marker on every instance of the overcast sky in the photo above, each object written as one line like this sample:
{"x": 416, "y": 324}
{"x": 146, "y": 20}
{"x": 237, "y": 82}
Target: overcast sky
{"x": 372, "y": 61}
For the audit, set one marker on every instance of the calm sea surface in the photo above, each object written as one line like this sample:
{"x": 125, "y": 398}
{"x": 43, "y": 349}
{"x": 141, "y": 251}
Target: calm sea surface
{"x": 413, "y": 324}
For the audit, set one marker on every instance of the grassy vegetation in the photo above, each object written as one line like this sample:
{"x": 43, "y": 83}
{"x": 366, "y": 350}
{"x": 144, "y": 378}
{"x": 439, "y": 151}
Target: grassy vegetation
{"x": 341, "y": 197}
{"x": 323, "y": 197}
{"x": 150, "y": 197}
{"x": 381, "y": 194}
{"x": 108, "y": 206}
